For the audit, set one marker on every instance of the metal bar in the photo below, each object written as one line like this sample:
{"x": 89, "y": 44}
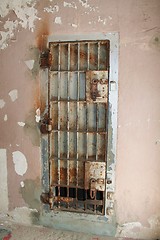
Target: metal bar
{"x": 77, "y": 128}
{"x": 88, "y": 57}
{"x": 59, "y": 110}
{"x": 68, "y": 105}
{"x": 80, "y": 131}
{"x": 97, "y": 115}
{"x": 65, "y": 71}
{"x": 98, "y": 56}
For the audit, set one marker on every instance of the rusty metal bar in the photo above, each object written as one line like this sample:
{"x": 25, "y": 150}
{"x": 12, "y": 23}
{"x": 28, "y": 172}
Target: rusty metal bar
{"x": 68, "y": 106}
{"x": 97, "y": 117}
{"x": 98, "y": 56}
{"x": 78, "y": 94}
{"x": 59, "y": 110}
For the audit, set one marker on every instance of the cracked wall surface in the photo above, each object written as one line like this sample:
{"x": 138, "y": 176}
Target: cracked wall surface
{"x": 24, "y": 28}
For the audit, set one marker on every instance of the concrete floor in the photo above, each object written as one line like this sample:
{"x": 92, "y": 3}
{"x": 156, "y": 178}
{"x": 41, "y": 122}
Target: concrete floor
{"x": 22, "y": 232}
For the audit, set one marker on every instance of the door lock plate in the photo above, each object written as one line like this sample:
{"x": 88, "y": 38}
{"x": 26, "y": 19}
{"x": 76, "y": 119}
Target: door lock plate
{"x": 95, "y": 175}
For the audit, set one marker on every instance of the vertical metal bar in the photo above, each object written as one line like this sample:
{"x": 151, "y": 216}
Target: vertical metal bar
{"x": 88, "y": 62}
{"x": 98, "y": 55}
{"x": 97, "y": 116}
{"x": 77, "y": 128}
{"x": 68, "y": 76}
{"x": 59, "y": 110}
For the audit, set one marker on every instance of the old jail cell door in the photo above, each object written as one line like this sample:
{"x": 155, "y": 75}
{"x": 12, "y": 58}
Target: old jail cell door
{"x": 78, "y": 87}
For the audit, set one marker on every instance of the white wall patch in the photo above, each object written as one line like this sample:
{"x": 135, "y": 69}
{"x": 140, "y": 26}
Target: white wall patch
{"x": 20, "y": 163}
{"x": 74, "y": 25}
{"x": 58, "y": 20}
{"x": 2, "y": 103}
{"x": 22, "y": 184}
{"x": 30, "y": 64}
{"x": 22, "y": 124}
{"x": 70, "y": 5}
{"x": 51, "y": 9}
{"x": 13, "y": 94}
{"x": 5, "y": 117}
{"x": 37, "y": 116}
{"x": 3, "y": 180}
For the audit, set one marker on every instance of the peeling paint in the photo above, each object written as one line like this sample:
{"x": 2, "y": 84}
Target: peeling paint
{"x": 22, "y": 184}
{"x": 31, "y": 128}
{"x": 2, "y": 103}
{"x": 51, "y": 9}
{"x": 13, "y": 95}
{"x": 70, "y": 5}
{"x": 5, "y": 117}
{"x": 20, "y": 163}
{"x": 58, "y": 20}
{"x": 102, "y": 20}
{"x": 22, "y": 124}
{"x": 31, "y": 192}
{"x": 30, "y": 64}
{"x": 74, "y": 25}
{"x": 26, "y": 14}
{"x": 9, "y": 28}
{"x": 3, "y": 180}
{"x": 37, "y": 116}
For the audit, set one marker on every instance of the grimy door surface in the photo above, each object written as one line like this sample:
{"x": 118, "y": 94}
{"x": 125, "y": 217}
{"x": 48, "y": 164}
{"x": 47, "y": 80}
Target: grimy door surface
{"x": 78, "y": 109}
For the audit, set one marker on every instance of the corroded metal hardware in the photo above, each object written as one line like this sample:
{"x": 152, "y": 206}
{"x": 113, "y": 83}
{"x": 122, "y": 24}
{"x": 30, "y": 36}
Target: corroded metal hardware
{"x": 97, "y": 88}
{"x": 96, "y": 185}
{"x": 45, "y": 59}
{"x": 95, "y": 177}
{"x": 46, "y": 126}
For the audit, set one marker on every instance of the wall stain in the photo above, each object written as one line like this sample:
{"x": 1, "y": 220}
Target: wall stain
{"x": 31, "y": 193}
{"x": 155, "y": 42}
{"x": 42, "y": 34}
{"x": 31, "y": 128}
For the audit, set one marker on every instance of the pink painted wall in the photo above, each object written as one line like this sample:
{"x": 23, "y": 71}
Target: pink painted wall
{"x": 138, "y": 145}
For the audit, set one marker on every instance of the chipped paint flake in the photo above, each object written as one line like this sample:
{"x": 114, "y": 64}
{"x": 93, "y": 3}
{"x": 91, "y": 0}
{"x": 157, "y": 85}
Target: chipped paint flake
{"x": 102, "y": 20}
{"x": 13, "y": 95}
{"x": 70, "y": 5}
{"x": 51, "y": 9}
{"x": 22, "y": 124}
{"x": 20, "y": 163}
{"x": 2, "y": 103}
{"x": 37, "y": 116}
{"x": 30, "y": 64}
{"x": 58, "y": 20}
{"x": 5, "y": 117}
{"x": 74, "y": 25}
{"x": 22, "y": 184}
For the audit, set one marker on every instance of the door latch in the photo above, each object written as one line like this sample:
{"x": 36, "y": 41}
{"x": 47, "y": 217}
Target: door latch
{"x": 96, "y": 184}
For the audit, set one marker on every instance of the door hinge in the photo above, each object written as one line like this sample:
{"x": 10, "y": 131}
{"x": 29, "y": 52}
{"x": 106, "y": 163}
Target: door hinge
{"x": 45, "y": 59}
{"x": 46, "y": 125}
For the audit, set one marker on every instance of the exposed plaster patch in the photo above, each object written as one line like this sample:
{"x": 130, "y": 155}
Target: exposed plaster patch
{"x": 70, "y": 5}
{"x": 37, "y": 116}
{"x": 13, "y": 94}
{"x": 20, "y": 163}
{"x": 51, "y": 9}
{"x": 22, "y": 184}
{"x": 30, "y": 64}
{"x": 3, "y": 180}
{"x": 5, "y": 117}
{"x": 2, "y": 103}
{"x": 9, "y": 27}
{"x": 85, "y": 4}
{"x": 74, "y": 25}
{"x": 26, "y": 15}
{"x": 58, "y": 20}
{"x": 102, "y": 20}
{"x": 22, "y": 124}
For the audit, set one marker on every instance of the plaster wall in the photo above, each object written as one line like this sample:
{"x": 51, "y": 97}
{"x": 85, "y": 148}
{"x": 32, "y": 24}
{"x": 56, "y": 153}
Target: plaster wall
{"x": 23, "y": 23}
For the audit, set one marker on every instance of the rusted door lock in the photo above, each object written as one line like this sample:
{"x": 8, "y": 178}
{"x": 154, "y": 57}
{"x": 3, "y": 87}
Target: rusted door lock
{"x": 95, "y": 184}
